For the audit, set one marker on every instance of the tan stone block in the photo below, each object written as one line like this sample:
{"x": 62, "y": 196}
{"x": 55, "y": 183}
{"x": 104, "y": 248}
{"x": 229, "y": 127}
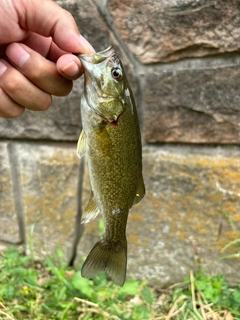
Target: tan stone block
{"x": 193, "y": 103}
{"x": 192, "y": 195}
{"x": 49, "y": 177}
{"x": 91, "y": 230}
{"x": 9, "y": 229}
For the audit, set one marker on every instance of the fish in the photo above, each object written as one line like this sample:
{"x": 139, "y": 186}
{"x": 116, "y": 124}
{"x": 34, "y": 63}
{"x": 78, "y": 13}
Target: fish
{"x": 111, "y": 139}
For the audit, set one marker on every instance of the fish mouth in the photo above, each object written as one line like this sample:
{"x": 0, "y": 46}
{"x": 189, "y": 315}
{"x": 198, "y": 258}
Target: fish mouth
{"x": 104, "y": 96}
{"x": 97, "y": 57}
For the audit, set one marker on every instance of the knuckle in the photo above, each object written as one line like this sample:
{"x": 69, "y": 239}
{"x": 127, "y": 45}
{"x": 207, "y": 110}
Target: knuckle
{"x": 8, "y": 108}
{"x": 64, "y": 88}
{"x": 45, "y": 102}
{"x": 16, "y": 112}
{"x": 12, "y": 84}
{"x": 68, "y": 15}
{"x": 38, "y": 72}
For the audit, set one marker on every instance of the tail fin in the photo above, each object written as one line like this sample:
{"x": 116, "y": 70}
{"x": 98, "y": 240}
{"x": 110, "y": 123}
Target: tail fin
{"x": 110, "y": 257}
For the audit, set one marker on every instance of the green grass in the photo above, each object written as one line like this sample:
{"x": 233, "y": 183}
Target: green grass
{"x": 52, "y": 290}
{"x": 205, "y": 297}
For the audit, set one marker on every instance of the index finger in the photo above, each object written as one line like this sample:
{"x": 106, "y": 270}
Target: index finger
{"x": 47, "y": 18}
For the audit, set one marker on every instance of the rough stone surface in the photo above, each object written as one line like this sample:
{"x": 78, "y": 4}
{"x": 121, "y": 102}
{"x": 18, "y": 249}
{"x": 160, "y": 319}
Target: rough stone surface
{"x": 9, "y": 229}
{"x": 163, "y": 31}
{"x": 91, "y": 230}
{"x": 60, "y": 122}
{"x": 192, "y": 195}
{"x": 49, "y": 175}
{"x": 196, "y": 105}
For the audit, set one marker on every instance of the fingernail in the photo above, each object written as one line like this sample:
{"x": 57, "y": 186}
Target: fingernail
{"x": 71, "y": 69}
{"x": 87, "y": 48}
{"x": 18, "y": 55}
{"x": 3, "y": 67}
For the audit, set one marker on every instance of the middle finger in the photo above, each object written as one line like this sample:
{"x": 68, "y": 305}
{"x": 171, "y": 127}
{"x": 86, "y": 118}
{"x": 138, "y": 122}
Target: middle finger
{"x": 38, "y": 70}
{"x": 23, "y": 91}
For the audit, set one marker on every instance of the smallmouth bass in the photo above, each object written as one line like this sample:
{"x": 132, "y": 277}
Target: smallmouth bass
{"x": 111, "y": 138}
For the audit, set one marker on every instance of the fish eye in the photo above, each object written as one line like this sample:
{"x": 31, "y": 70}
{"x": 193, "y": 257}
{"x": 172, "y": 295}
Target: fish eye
{"x": 116, "y": 73}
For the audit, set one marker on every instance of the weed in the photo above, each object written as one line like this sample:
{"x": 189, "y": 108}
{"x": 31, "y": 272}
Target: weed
{"x": 52, "y": 290}
{"x": 205, "y": 297}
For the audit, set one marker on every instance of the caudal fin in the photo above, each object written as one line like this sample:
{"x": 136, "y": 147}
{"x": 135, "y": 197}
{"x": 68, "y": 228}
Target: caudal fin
{"x": 110, "y": 257}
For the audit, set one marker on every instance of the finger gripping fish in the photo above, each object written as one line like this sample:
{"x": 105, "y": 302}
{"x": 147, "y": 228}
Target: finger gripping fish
{"x": 111, "y": 138}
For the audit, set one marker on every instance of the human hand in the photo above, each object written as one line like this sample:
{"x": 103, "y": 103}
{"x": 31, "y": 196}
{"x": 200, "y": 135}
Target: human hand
{"x": 36, "y": 42}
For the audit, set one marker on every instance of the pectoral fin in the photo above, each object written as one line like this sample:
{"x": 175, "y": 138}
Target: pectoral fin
{"x": 91, "y": 210}
{"x": 140, "y": 191}
{"x": 82, "y": 144}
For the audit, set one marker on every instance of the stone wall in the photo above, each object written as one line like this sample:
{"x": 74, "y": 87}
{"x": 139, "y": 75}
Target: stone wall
{"x": 182, "y": 59}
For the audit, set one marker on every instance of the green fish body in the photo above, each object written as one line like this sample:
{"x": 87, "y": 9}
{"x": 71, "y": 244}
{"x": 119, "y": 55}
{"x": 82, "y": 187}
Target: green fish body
{"x": 111, "y": 138}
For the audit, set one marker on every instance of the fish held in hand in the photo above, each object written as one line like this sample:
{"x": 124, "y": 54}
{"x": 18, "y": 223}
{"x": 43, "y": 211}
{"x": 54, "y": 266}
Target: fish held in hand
{"x": 111, "y": 138}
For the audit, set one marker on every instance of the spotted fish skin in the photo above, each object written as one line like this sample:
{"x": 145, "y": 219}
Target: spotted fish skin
{"x": 111, "y": 138}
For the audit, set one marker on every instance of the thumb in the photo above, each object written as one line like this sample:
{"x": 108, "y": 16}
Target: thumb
{"x": 47, "y": 18}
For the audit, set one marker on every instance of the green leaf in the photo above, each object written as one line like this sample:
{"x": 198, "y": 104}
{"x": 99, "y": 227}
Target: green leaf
{"x": 130, "y": 287}
{"x": 142, "y": 312}
{"x": 147, "y": 295}
{"x": 201, "y": 284}
{"x": 236, "y": 295}
{"x": 83, "y": 285}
